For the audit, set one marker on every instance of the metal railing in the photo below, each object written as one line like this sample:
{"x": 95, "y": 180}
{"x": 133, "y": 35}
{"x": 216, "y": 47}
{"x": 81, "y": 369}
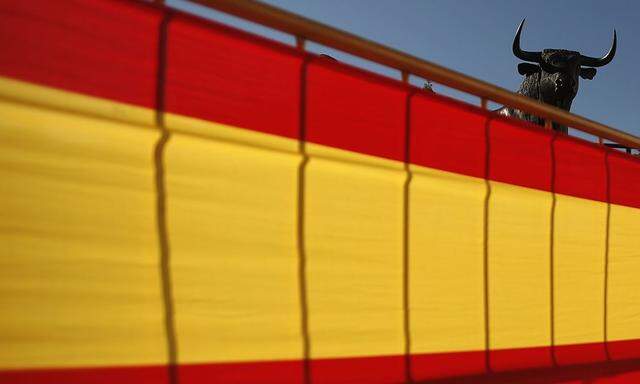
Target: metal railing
{"x": 306, "y": 29}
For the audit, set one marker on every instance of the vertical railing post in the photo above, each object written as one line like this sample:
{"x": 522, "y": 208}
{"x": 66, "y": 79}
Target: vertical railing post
{"x": 548, "y": 124}
{"x": 300, "y": 43}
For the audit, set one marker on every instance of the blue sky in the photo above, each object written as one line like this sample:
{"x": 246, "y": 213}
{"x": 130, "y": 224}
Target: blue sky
{"x": 474, "y": 37}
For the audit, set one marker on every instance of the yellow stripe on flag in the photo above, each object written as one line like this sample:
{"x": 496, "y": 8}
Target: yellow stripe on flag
{"x": 353, "y": 227}
{"x": 446, "y": 275}
{"x": 519, "y": 267}
{"x": 79, "y": 263}
{"x": 232, "y": 219}
{"x": 624, "y": 274}
{"x": 579, "y": 263}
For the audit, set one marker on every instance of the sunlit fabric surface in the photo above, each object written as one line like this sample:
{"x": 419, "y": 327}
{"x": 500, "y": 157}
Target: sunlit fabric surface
{"x": 184, "y": 202}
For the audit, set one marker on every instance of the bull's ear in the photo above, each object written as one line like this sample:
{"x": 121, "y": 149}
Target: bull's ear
{"x": 527, "y": 68}
{"x": 587, "y": 73}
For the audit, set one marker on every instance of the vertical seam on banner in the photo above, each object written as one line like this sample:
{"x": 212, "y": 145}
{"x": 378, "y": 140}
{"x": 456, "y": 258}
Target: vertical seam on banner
{"x": 302, "y": 256}
{"x": 605, "y": 321}
{"x": 485, "y": 242}
{"x": 552, "y": 222}
{"x": 161, "y": 202}
{"x": 405, "y": 242}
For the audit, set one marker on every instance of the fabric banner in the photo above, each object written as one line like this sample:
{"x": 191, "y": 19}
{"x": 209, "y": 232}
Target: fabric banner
{"x": 186, "y": 202}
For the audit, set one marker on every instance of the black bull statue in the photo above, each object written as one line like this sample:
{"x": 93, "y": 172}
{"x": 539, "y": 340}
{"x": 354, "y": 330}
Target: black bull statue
{"x": 553, "y": 77}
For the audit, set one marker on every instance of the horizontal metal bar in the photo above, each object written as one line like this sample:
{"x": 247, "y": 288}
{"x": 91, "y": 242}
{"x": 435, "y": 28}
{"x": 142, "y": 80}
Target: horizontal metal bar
{"x": 312, "y": 30}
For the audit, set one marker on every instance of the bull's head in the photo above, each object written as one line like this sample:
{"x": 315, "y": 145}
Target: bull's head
{"x": 557, "y": 71}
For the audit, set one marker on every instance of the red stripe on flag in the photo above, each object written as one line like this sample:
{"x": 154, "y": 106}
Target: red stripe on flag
{"x": 105, "y": 49}
{"x": 520, "y": 154}
{"x": 530, "y": 365}
{"x": 95, "y": 375}
{"x": 580, "y": 168}
{"x": 580, "y": 353}
{"x": 520, "y": 358}
{"x": 370, "y": 370}
{"x": 263, "y": 372}
{"x": 354, "y": 110}
{"x": 624, "y": 173}
{"x": 627, "y": 371}
{"x": 448, "y": 135}
{"x": 431, "y": 366}
{"x": 224, "y": 75}
{"x": 624, "y": 349}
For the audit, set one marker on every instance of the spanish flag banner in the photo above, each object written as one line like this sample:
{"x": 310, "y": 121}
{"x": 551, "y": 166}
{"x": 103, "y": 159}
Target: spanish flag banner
{"x": 184, "y": 202}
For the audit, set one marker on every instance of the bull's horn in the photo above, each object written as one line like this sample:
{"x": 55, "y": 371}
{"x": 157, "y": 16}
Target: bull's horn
{"x": 606, "y": 59}
{"x": 533, "y": 57}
